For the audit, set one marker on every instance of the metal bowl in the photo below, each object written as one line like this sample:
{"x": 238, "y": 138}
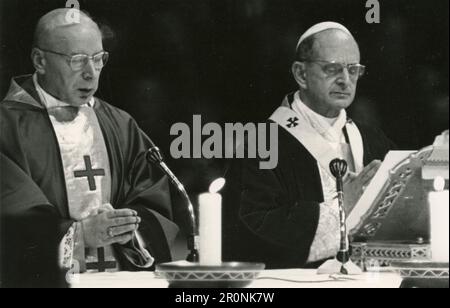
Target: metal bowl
{"x": 182, "y": 274}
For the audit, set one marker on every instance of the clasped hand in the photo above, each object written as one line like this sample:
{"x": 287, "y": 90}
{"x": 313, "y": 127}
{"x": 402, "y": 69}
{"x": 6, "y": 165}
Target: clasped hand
{"x": 110, "y": 226}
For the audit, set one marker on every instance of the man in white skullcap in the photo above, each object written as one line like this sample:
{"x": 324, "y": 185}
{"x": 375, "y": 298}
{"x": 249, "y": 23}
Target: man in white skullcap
{"x": 81, "y": 157}
{"x": 289, "y": 216}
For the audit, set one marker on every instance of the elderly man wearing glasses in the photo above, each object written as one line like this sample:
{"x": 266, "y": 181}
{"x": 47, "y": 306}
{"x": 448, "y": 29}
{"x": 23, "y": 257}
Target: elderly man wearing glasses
{"x": 82, "y": 157}
{"x": 289, "y": 216}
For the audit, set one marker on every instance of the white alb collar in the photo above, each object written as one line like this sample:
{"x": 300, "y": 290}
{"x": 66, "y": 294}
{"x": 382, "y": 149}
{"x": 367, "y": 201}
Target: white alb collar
{"x": 330, "y": 128}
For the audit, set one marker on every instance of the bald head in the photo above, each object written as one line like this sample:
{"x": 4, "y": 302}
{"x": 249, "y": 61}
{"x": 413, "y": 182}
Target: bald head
{"x": 68, "y": 55}
{"x": 307, "y": 48}
{"x": 50, "y": 29}
{"x": 335, "y": 42}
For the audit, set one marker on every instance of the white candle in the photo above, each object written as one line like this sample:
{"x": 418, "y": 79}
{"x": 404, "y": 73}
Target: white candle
{"x": 439, "y": 221}
{"x": 210, "y": 225}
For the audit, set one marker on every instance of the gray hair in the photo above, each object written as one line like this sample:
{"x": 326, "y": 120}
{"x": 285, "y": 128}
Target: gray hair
{"x": 305, "y": 50}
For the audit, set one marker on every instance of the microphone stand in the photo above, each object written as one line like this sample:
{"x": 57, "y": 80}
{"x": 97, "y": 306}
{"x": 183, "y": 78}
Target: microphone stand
{"x": 154, "y": 156}
{"x": 342, "y": 263}
{"x": 338, "y": 168}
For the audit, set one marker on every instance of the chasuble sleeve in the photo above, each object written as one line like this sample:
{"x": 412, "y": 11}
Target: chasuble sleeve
{"x": 20, "y": 195}
{"x": 21, "y": 191}
{"x": 18, "y": 191}
{"x": 28, "y": 230}
{"x": 284, "y": 224}
{"x": 147, "y": 192}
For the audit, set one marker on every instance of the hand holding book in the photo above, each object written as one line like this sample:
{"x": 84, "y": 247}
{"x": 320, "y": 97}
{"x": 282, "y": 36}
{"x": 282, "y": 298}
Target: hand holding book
{"x": 355, "y": 184}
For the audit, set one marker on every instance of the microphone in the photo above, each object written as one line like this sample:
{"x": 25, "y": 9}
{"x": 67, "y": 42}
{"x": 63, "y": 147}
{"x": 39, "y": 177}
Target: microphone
{"x": 338, "y": 168}
{"x": 180, "y": 274}
{"x": 341, "y": 264}
{"x": 155, "y": 157}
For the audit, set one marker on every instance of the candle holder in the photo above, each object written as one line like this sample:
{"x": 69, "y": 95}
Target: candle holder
{"x": 182, "y": 274}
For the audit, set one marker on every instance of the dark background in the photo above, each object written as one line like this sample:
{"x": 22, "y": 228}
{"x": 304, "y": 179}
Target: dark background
{"x": 229, "y": 60}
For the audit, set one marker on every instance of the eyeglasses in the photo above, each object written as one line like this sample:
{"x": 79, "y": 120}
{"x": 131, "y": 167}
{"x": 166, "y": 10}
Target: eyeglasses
{"x": 79, "y": 61}
{"x": 333, "y": 68}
